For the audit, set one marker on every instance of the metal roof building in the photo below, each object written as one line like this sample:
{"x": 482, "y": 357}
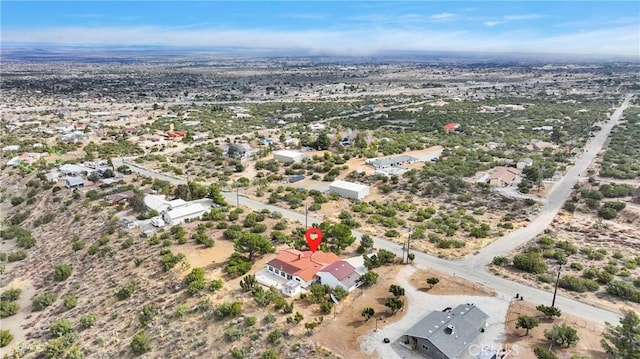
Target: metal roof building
{"x": 349, "y": 189}
{"x": 447, "y": 334}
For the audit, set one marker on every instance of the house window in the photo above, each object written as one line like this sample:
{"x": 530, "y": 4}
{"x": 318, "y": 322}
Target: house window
{"x": 425, "y": 347}
{"x": 289, "y": 276}
{"x": 270, "y": 269}
{"x": 298, "y": 279}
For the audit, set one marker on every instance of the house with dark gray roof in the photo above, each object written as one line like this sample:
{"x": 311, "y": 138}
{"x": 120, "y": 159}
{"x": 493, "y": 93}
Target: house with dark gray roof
{"x": 446, "y": 334}
{"x": 73, "y": 182}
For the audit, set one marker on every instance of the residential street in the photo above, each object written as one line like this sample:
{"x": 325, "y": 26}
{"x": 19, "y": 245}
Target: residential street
{"x": 473, "y": 267}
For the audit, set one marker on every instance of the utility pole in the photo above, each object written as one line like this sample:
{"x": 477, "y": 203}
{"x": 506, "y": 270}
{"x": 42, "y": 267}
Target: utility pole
{"x": 553, "y": 302}
{"x": 306, "y": 215}
{"x": 410, "y": 229}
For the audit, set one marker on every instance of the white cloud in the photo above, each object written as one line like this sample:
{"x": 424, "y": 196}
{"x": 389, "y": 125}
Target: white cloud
{"x": 442, "y": 16}
{"x": 303, "y": 16}
{"x": 522, "y": 17}
{"x": 360, "y": 41}
{"x": 492, "y": 23}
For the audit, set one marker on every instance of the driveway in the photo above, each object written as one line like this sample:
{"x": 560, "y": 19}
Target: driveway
{"x": 421, "y": 304}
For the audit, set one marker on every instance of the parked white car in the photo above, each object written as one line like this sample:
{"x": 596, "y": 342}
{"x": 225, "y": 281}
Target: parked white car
{"x": 157, "y": 222}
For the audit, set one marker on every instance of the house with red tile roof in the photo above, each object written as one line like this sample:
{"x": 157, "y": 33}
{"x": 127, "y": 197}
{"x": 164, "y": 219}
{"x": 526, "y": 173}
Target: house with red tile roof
{"x": 299, "y": 268}
{"x": 503, "y": 176}
{"x": 451, "y": 126}
{"x": 341, "y": 274}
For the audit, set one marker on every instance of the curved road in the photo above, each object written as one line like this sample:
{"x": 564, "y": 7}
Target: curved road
{"x": 474, "y": 268}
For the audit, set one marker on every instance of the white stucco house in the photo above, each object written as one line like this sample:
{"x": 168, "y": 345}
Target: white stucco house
{"x": 299, "y": 267}
{"x": 340, "y": 274}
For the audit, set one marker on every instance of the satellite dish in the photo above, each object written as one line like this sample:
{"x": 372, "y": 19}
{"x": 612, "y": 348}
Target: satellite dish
{"x": 334, "y": 299}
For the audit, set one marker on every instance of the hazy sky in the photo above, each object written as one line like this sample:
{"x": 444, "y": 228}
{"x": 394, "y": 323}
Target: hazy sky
{"x": 342, "y": 27}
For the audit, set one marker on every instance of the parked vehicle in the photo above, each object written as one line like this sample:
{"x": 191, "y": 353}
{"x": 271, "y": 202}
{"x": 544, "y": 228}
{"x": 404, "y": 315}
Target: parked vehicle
{"x": 157, "y": 222}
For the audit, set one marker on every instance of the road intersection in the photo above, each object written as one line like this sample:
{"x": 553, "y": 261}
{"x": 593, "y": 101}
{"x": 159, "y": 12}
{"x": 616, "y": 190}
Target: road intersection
{"x": 474, "y": 267}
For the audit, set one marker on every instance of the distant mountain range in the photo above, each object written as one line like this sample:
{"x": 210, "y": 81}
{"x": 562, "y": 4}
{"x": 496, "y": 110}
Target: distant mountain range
{"x": 16, "y": 52}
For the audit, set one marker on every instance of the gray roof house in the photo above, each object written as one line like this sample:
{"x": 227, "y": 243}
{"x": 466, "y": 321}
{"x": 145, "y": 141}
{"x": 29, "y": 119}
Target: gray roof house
{"x": 446, "y": 334}
{"x": 391, "y": 161}
{"x": 73, "y": 182}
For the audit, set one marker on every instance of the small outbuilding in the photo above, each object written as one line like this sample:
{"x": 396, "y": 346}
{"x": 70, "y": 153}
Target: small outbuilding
{"x": 286, "y": 156}
{"x": 73, "y": 182}
{"x": 349, "y": 189}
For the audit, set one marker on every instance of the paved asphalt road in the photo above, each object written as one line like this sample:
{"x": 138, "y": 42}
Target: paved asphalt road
{"x": 473, "y": 267}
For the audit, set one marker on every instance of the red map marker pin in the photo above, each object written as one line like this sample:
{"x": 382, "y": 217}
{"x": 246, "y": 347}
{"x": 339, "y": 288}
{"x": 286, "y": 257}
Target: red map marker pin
{"x": 314, "y": 237}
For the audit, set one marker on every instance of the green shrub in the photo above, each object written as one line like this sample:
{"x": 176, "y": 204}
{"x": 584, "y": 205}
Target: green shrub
{"x": 8, "y": 309}
{"x": 577, "y": 266}
{"x": 127, "y": 290}
{"x": 269, "y": 318}
{"x": 140, "y": 343}
{"x": 274, "y": 336}
{"x": 61, "y": 328}
{"x": 62, "y": 271}
{"x": 42, "y": 301}
{"x": 624, "y": 290}
{"x": 88, "y": 320}
{"x": 577, "y": 284}
{"x": 16, "y": 256}
{"x": 70, "y": 301}
{"x": 148, "y": 313}
{"x": 228, "y": 309}
{"x": 234, "y": 333}
{"x": 5, "y": 337}
{"x": 530, "y": 262}
{"x": 500, "y": 260}
{"x": 11, "y": 294}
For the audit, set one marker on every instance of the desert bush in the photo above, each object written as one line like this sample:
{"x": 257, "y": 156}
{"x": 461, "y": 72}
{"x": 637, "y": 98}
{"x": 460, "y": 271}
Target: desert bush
{"x": 624, "y": 290}
{"x": 140, "y": 343}
{"x": 61, "y": 328}
{"x": 127, "y": 290}
{"x": 195, "y": 281}
{"x": 577, "y": 284}
{"x": 62, "y": 271}
{"x": 215, "y": 285}
{"x": 148, "y": 313}
{"x": 237, "y": 265}
{"x": 228, "y": 309}
{"x": 40, "y": 302}
{"x": 500, "y": 260}
{"x": 88, "y": 320}
{"x": 269, "y": 318}
{"x": 70, "y": 301}
{"x": 5, "y": 337}
{"x": 8, "y": 308}
{"x": 530, "y": 262}
{"x": 11, "y": 294}
{"x": 577, "y": 266}
{"x": 233, "y": 333}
